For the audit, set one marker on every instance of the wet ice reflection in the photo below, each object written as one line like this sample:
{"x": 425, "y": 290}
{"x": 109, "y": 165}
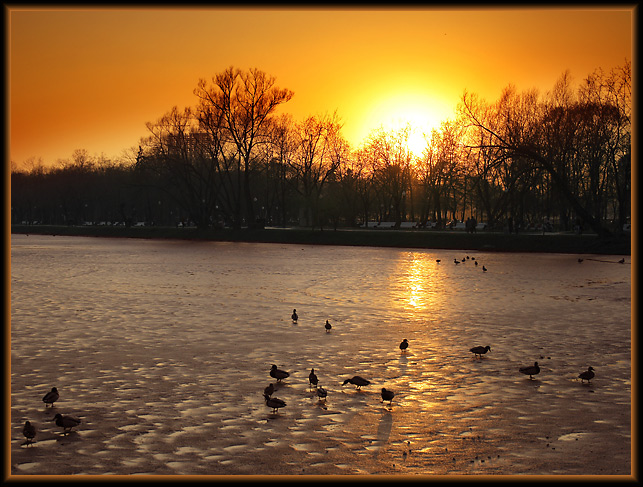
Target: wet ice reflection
{"x": 163, "y": 349}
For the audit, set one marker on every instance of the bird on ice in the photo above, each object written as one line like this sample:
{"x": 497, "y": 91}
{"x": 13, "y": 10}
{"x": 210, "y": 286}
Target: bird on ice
{"x": 312, "y": 378}
{"x": 66, "y": 422}
{"x": 480, "y": 350}
{"x": 587, "y": 375}
{"x": 322, "y": 393}
{"x": 404, "y": 345}
{"x": 278, "y": 373}
{"x": 530, "y": 370}
{"x": 274, "y": 403}
{"x": 357, "y": 381}
{"x": 270, "y": 388}
{"x": 328, "y": 326}
{"x": 294, "y": 316}
{"x": 51, "y": 397}
{"x": 29, "y": 431}
{"x": 387, "y": 395}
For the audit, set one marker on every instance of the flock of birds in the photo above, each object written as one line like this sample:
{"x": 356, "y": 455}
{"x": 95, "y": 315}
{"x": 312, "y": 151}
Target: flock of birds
{"x": 358, "y": 381}
{"x": 69, "y": 422}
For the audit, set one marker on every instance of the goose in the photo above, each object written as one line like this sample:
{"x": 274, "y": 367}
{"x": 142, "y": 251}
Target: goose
{"x": 476, "y": 262}
{"x": 387, "y": 395}
{"x": 66, "y": 422}
{"x": 269, "y": 390}
{"x": 622, "y": 261}
{"x": 358, "y": 381}
{"x": 274, "y": 403}
{"x": 480, "y": 350}
{"x": 404, "y": 345}
{"x": 294, "y": 316}
{"x": 322, "y": 393}
{"x": 484, "y": 268}
{"x": 580, "y": 260}
{"x": 530, "y": 370}
{"x": 328, "y": 326}
{"x": 51, "y": 397}
{"x": 312, "y": 378}
{"x": 437, "y": 260}
{"x": 29, "y": 431}
{"x": 587, "y": 375}
{"x": 456, "y": 261}
{"x": 277, "y": 373}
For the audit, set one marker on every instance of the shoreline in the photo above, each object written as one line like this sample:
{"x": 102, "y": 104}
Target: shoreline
{"x": 568, "y": 243}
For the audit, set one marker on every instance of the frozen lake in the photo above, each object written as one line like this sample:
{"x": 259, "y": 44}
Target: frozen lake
{"x": 163, "y": 349}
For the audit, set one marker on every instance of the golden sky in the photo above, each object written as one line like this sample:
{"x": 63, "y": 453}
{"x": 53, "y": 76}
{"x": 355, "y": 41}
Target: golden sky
{"x": 90, "y": 79}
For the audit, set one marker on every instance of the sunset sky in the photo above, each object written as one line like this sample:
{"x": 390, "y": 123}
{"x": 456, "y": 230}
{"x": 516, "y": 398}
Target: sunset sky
{"x": 91, "y": 79}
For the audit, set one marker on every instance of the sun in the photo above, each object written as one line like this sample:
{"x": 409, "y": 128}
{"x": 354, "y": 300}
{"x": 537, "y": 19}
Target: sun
{"x": 416, "y": 111}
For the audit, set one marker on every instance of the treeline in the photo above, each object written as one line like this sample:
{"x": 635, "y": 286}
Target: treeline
{"x": 563, "y": 158}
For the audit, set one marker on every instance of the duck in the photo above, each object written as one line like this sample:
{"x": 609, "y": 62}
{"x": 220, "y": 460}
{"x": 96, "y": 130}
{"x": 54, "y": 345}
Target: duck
{"x": 29, "y": 431}
{"x": 357, "y": 381}
{"x": 328, "y": 326}
{"x": 387, "y": 395}
{"x": 312, "y": 378}
{"x": 278, "y": 373}
{"x": 51, "y": 397}
{"x": 270, "y": 388}
{"x": 294, "y": 316}
{"x": 480, "y": 350}
{"x": 530, "y": 370}
{"x": 66, "y": 422}
{"x": 587, "y": 375}
{"x": 322, "y": 393}
{"x": 274, "y": 403}
{"x": 404, "y": 345}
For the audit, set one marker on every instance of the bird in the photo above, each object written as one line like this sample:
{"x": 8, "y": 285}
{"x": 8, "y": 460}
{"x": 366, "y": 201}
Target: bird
{"x": 476, "y": 262}
{"x": 278, "y": 373}
{"x": 358, "y": 381}
{"x": 29, "y": 431}
{"x": 387, "y": 395}
{"x": 404, "y": 345}
{"x": 587, "y": 375}
{"x": 484, "y": 268}
{"x": 328, "y": 326}
{"x": 312, "y": 378}
{"x": 274, "y": 403}
{"x": 270, "y": 388}
{"x": 322, "y": 393}
{"x": 66, "y": 422}
{"x": 51, "y": 397}
{"x": 480, "y": 350}
{"x": 580, "y": 260}
{"x": 294, "y": 316}
{"x": 456, "y": 261}
{"x": 530, "y": 370}
{"x": 437, "y": 260}
{"x": 622, "y": 261}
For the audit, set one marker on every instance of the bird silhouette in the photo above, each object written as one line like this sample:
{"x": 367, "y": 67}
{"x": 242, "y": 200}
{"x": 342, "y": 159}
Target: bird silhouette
{"x": 437, "y": 260}
{"x": 328, "y": 326}
{"x": 387, "y": 395}
{"x": 357, "y": 381}
{"x": 29, "y": 431}
{"x": 530, "y": 370}
{"x": 480, "y": 350}
{"x": 312, "y": 378}
{"x": 404, "y": 345}
{"x": 587, "y": 375}
{"x": 51, "y": 397}
{"x": 622, "y": 261}
{"x": 278, "y": 373}
{"x": 294, "y": 316}
{"x": 322, "y": 393}
{"x": 274, "y": 403}
{"x": 269, "y": 389}
{"x": 66, "y": 422}
{"x": 484, "y": 268}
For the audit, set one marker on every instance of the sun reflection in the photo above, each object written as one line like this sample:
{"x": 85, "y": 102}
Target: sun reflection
{"x": 418, "y": 281}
